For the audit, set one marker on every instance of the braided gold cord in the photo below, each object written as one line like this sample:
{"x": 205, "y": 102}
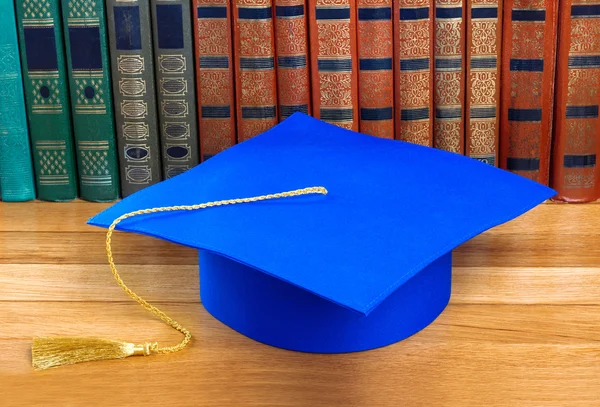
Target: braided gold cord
{"x": 149, "y": 348}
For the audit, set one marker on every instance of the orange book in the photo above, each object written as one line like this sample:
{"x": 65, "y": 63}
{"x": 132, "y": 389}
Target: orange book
{"x": 484, "y": 43}
{"x": 291, "y": 41}
{"x": 528, "y": 55}
{"x": 255, "y": 75}
{"x": 413, "y": 52}
{"x": 449, "y": 80}
{"x": 214, "y": 76}
{"x": 375, "y": 60}
{"x": 575, "y": 173}
{"x": 333, "y": 55}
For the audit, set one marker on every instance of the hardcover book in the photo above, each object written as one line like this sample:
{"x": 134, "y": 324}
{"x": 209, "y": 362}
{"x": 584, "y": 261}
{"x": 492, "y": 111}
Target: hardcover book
{"x": 172, "y": 30}
{"x": 214, "y": 76}
{"x": 47, "y": 98}
{"x": 375, "y": 75}
{"x": 132, "y": 64}
{"x": 334, "y": 62}
{"x": 16, "y": 169}
{"x": 256, "y": 83}
{"x": 484, "y": 42}
{"x": 575, "y": 173}
{"x": 528, "y": 55}
{"x": 291, "y": 41}
{"x": 413, "y": 42}
{"x": 449, "y": 76}
{"x": 91, "y": 97}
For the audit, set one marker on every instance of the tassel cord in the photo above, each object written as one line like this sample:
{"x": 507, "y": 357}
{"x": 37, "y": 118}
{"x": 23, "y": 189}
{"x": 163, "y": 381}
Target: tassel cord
{"x": 153, "y": 347}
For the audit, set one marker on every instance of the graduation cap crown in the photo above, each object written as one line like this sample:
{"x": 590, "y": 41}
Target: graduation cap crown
{"x": 357, "y": 255}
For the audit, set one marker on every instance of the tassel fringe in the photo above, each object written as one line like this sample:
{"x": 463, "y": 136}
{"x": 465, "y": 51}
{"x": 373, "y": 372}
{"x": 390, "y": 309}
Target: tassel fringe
{"x": 49, "y": 352}
{"x": 58, "y": 351}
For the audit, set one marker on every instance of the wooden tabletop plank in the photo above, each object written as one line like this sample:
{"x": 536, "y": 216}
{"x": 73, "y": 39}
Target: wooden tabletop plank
{"x": 447, "y": 374}
{"x": 472, "y": 355}
{"x": 489, "y": 250}
{"x": 469, "y": 322}
{"x": 179, "y": 283}
{"x": 49, "y": 217}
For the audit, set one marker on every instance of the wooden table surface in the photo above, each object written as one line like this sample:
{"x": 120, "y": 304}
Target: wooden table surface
{"x": 522, "y": 328}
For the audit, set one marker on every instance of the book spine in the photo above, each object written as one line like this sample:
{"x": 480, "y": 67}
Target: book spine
{"x": 172, "y": 30}
{"x": 449, "y": 76}
{"x": 575, "y": 173}
{"x": 413, "y": 42}
{"x": 334, "y": 62}
{"x": 528, "y": 55}
{"x": 291, "y": 40}
{"x": 47, "y": 98}
{"x": 130, "y": 40}
{"x": 484, "y": 42}
{"x": 214, "y": 76}
{"x": 254, "y": 52}
{"x": 91, "y": 99}
{"x": 375, "y": 61}
{"x": 16, "y": 169}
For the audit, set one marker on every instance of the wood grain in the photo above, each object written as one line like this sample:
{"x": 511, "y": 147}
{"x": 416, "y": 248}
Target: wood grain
{"x": 522, "y": 328}
{"x": 179, "y": 283}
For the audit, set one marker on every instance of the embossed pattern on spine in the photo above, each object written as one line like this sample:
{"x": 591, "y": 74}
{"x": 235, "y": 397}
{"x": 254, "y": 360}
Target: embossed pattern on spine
{"x": 449, "y": 80}
{"x": 413, "y": 52}
{"x": 575, "y": 172}
{"x": 256, "y": 83}
{"x": 91, "y": 96}
{"x": 172, "y": 29}
{"x": 132, "y": 64}
{"x": 528, "y": 54}
{"x": 376, "y": 76}
{"x": 214, "y": 76}
{"x": 334, "y": 57}
{"x": 47, "y": 97}
{"x": 484, "y": 40}
{"x": 16, "y": 169}
{"x": 291, "y": 40}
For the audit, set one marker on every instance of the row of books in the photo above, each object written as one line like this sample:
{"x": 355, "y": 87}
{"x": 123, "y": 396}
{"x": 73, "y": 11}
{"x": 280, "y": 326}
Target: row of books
{"x": 122, "y": 94}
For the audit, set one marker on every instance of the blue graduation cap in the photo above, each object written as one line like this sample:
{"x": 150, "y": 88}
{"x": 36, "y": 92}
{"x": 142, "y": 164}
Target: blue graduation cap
{"x": 365, "y": 265}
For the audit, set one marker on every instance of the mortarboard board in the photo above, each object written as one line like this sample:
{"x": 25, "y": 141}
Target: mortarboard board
{"x": 363, "y": 266}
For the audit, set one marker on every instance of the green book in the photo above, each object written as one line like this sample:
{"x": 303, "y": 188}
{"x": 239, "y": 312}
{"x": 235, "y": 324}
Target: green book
{"x": 91, "y": 99}
{"x": 47, "y": 98}
{"x": 16, "y": 170}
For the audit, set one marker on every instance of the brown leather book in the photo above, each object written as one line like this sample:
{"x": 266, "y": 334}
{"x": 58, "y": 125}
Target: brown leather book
{"x": 484, "y": 43}
{"x": 413, "y": 54}
{"x": 449, "y": 56}
{"x": 528, "y": 62}
{"x": 255, "y": 70}
{"x": 575, "y": 174}
{"x": 333, "y": 57}
{"x": 214, "y": 76}
{"x": 291, "y": 42}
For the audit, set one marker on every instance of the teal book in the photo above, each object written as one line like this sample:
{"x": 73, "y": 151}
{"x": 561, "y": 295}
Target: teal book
{"x": 91, "y": 99}
{"x": 47, "y": 98}
{"x": 16, "y": 169}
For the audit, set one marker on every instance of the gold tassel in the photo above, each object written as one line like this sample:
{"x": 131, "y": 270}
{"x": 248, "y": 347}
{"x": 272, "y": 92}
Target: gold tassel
{"x": 57, "y": 351}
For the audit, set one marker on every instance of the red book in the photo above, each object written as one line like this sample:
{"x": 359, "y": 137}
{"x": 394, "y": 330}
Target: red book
{"x": 575, "y": 173}
{"x": 333, "y": 54}
{"x": 214, "y": 76}
{"x": 375, "y": 75}
{"x": 484, "y": 43}
{"x": 528, "y": 55}
{"x": 449, "y": 80}
{"x": 413, "y": 53}
{"x": 291, "y": 40}
{"x": 254, "y": 53}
